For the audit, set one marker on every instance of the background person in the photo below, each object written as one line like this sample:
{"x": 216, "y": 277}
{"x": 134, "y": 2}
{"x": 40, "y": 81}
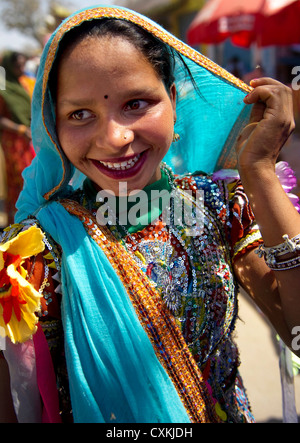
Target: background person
{"x": 15, "y": 120}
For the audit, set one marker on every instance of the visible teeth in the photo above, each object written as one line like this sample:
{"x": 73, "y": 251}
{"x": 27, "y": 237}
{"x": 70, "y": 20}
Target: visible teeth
{"x": 122, "y": 166}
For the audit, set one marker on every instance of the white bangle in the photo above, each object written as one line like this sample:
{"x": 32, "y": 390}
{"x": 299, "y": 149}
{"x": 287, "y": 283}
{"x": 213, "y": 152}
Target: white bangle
{"x": 287, "y": 247}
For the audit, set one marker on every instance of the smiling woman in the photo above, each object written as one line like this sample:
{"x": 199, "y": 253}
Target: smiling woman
{"x": 135, "y": 320}
{"x": 134, "y": 127}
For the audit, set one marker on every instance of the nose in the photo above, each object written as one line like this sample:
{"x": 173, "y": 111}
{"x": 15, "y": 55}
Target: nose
{"x": 115, "y": 135}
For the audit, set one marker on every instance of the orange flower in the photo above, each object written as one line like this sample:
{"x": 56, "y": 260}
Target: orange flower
{"x": 19, "y": 301}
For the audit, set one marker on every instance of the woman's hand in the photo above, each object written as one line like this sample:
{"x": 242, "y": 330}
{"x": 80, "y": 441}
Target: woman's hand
{"x": 271, "y": 124}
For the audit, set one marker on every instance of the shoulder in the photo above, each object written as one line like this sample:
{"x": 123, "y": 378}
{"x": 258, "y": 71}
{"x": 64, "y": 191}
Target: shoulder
{"x": 223, "y": 196}
{"x": 215, "y": 190}
{"x": 27, "y": 237}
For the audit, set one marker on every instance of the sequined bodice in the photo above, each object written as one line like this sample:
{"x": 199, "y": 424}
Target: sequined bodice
{"x": 194, "y": 276}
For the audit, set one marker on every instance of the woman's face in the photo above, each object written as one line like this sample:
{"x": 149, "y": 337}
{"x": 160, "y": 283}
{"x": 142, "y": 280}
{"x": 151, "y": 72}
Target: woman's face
{"x": 19, "y": 66}
{"x": 115, "y": 119}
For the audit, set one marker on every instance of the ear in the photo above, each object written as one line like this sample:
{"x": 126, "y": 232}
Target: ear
{"x": 173, "y": 97}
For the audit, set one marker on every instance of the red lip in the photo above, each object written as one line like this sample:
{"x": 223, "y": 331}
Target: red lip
{"x": 122, "y": 174}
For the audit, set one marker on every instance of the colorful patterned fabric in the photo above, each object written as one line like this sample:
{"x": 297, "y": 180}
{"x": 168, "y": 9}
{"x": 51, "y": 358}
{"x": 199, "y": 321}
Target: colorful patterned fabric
{"x": 207, "y": 310}
{"x": 205, "y": 313}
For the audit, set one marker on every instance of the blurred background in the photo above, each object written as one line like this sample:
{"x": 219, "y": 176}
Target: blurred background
{"x": 250, "y": 39}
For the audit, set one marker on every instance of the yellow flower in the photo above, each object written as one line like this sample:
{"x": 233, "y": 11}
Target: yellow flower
{"x": 19, "y": 301}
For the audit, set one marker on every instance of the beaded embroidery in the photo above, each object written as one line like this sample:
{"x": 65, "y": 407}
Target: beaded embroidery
{"x": 166, "y": 338}
{"x": 206, "y": 321}
{"x": 206, "y": 311}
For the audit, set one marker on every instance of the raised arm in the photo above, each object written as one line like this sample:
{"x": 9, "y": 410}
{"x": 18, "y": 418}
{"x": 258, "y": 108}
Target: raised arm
{"x": 277, "y": 292}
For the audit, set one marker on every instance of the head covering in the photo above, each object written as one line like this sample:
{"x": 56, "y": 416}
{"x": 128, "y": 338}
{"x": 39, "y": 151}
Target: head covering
{"x": 113, "y": 370}
{"x": 207, "y": 122}
{"x": 16, "y": 97}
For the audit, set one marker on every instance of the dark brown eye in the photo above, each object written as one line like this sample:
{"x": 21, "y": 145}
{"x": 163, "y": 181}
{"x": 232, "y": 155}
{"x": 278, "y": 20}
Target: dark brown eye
{"x": 82, "y": 114}
{"x": 135, "y": 105}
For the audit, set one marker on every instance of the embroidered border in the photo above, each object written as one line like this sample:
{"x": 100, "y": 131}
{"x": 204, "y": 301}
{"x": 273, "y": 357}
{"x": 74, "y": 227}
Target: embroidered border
{"x": 252, "y": 239}
{"x": 166, "y": 338}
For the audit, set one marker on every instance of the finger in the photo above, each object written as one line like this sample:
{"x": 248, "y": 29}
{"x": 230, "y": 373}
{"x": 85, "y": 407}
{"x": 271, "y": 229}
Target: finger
{"x": 257, "y": 112}
{"x": 275, "y": 107}
{"x": 276, "y": 96}
{"x": 265, "y": 81}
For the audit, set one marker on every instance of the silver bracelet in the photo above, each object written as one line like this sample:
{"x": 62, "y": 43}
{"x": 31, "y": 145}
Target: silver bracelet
{"x": 286, "y": 265}
{"x": 287, "y": 247}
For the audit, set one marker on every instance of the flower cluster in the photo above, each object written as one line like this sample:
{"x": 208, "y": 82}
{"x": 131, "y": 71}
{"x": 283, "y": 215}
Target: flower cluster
{"x": 288, "y": 181}
{"x": 19, "y": 301}
{"x": 283, "y": 171}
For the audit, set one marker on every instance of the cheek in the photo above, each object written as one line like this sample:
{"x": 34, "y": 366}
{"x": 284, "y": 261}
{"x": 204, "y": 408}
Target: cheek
{"x": 161, "y": 127}
{"x": 70, "y": 142}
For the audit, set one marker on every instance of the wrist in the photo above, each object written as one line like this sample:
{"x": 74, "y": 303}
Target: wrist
{"x": 258, "y": 173}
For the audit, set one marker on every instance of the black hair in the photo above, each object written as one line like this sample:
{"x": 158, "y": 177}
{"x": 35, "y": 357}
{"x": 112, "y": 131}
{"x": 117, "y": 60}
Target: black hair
{"x": 159, "y": 55}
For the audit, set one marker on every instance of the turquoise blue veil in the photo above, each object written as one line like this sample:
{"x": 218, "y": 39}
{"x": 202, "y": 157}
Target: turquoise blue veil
{"x": 106, "y": 346}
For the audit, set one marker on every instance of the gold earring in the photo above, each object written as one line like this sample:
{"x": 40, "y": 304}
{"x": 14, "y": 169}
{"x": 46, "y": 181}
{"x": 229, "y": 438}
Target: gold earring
{"x": 176, "y": 137}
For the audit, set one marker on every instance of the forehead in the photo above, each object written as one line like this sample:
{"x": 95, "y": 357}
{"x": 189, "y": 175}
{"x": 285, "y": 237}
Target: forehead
{"x": 105, "y": 66}
{"x": 111, "y": 57}
{"x": 20, "y": 60}
{"x": 110, "y": 52}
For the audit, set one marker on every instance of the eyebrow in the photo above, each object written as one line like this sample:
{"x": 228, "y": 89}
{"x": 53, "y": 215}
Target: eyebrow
{"x": 77, "y": 102}
{"x": 139, "y": 92}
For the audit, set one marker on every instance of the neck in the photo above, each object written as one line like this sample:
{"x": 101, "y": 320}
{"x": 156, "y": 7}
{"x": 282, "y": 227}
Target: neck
{"x": 134, "y": 212}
